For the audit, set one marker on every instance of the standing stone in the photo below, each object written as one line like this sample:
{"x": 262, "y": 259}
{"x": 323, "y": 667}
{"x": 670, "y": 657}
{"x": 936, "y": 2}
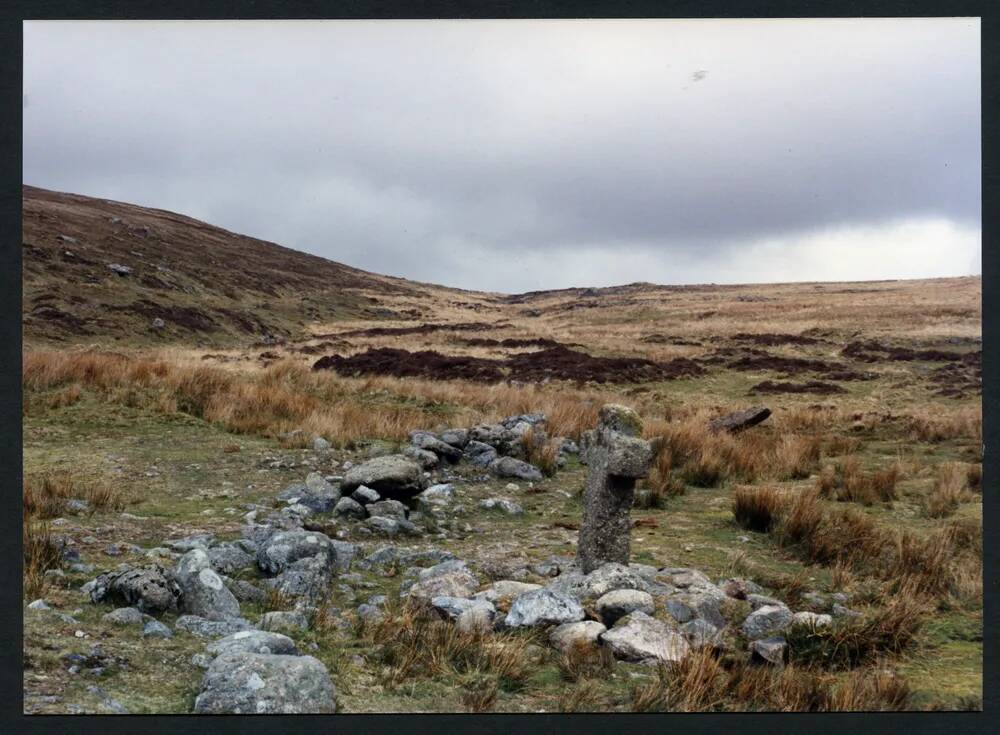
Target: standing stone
{"x": 616, "y": 457}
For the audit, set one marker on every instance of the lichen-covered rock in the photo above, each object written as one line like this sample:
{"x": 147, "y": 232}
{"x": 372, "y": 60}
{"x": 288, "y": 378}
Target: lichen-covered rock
{"x": 811, "y": 619}
{"x": 387, "y": 509}
{"x": 543, "y": 607}
{"x": 585, "y": 632}
{"x": 480, "y": 454}
{"x": 255, "y": 683}
{"x": 284, "y": 548}
{"x": 254, "y": 641}
{"x": 151, "y": 589}
{"x": 349, "y": 508}
{"x": 204, "y": 628}
{"x": 123, "y": 616}
{"x": 392, "y": 476}
{"x": 505, "y": 505}
{"x": 231, "y": 557}
{"x": 511, "y": 467}
{"x": 365, "y": 495}
{"x": 772, "y": 650}
{"x": 639, "y": 637}
{"x": 156, "y": 629}
{"x": 456, "y": 437}
{"x": 447, "y": 579}
{"x": 291, "y": 621}
{"x": 506, "y": 588}
{"x": 700, "y": 633}
{"x": 428, "y": 442}
{"x": 766, "y": 621}
{"x": 600, "y": 581}
{"x": 203, "y": 592}
{"x": 453, "y": 607}
{"x": 618, "y": 603}
{"x": 686, "y": 606}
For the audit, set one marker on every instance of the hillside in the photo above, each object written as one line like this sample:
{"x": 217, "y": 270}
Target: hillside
{"x": 207, "y": 284}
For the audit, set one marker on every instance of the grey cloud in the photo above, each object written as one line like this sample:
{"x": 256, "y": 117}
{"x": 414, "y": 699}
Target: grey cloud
{"x": 407, "y": 147}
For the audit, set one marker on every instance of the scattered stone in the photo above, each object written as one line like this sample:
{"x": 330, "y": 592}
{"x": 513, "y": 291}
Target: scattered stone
{"x": 230, "y": 557}
{"x": 771, "y": 650}
{"x": 196, "y": 541}
{"x": 456, "y": 437}
{"x": 839, "y": 611}
{"x": 619, "y": 603}
{"x": 428, "y": 442}
{"x": 616, "y": 457}
{"x": 506, "y": 588}
{"x": 739, "y": 589}
{"x": 158, "y": 323}
{"x": 757, "y": 601}
{"x": 255, "y": 683}
{"x": 202, "y": 590}
{"x": 448, "y": 579}
{"x": 740, "y": 420}
{"x": 151, "y": 589}
{"x": 511, "y": 467}
{"x": 811, "y": 619}
{"x": 639, "y": 637}
{"x": 204, "y": 628}
{"x": 766, "y": 620}
{"x": 566, "y": 636}
{"x": 388, "y": 509}
{"x": 453, "y": 607}
{"x": 423, "y": 457}
{"x": 254, "y": 641}
{"x": 393, "y": 476}
{"x": 365, "y": 495}
{"x": 506, "y": 505}
{"x": 543, "y": 607}
{"x": 156, "y": 629}
{"x": 320, "y": 444}
{"x": 38, "y": 605}
{"x": 480, "y": 454}
{"x": 121, "y": 270}
{"x": 700, "y": 633}
{"x": 284, "y": 620}
{"x": 349, "y": 508}
{"x": 391, "y": 526}
{"x": 123, "y": 616}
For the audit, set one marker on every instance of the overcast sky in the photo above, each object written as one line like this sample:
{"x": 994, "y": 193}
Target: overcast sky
{"x": 512, "y": 156}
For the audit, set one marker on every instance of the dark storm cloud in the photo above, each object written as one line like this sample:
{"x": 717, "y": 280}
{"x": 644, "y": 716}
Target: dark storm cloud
{"x": 522, "y": 155}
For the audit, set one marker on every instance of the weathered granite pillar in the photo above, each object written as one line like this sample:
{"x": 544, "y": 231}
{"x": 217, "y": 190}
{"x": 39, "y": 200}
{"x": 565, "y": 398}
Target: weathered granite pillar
{"x": 616, "y": 456}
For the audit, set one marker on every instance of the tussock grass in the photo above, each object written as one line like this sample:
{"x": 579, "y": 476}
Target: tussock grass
{"x": 756, "y": 508}
{"x": 851, "y": 642}
{"x": 40, "y": 553}
{"x": 541, "y": 451}
{"x": 288, "y": 395}
{"x": 703, "y": 682}
{"x": 944, "y": 562}
{"x": 46, "y": 495}
{"x": 412, "y": 644}
{"x": 585, "y": 660}
{"x": 950, "y": 490}
{"x": 846, "y": 481}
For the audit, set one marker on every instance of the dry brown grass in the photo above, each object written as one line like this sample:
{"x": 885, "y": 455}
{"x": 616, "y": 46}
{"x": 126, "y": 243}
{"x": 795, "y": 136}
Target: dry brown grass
{"x": 939, "y": 426}
{"x": 541, "y": 451}
{"x": 846, "y": 481}
{"x": 410, "y": 643}
{"x": 585, "y": 660}
{"x": 288, "y": 395}
{"x": 852, "y": 642}
{"x": 945, "y": 562}
{"x": 704, "y": 683}
{"x": 950, "y": 490}
{"x": 40, "y": 553}
{"x": 46, "y": 495}
{"x": 661, "y": 483}
{"x": 757, "y": 508}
